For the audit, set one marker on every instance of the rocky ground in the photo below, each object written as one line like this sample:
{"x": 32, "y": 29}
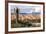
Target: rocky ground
{"x": 27, "y": 20}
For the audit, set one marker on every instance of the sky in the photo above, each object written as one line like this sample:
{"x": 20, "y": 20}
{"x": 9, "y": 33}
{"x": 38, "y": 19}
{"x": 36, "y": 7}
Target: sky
{"x": 25, "y": 9}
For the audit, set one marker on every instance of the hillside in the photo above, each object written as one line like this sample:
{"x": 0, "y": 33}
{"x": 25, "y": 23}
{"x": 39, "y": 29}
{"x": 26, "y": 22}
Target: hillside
{"x": 26, "y": 17}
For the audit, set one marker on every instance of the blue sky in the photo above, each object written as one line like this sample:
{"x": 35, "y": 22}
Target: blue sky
{"x": 25, "y": 9}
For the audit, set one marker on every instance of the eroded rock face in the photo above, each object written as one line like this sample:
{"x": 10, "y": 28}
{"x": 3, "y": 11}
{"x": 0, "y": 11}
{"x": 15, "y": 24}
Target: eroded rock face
{"x": 27, "y": 18}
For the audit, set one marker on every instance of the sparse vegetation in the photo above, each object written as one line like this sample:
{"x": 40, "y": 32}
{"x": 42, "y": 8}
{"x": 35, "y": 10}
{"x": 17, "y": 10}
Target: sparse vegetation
{"x": 28, "y": 23}
{"x": 25, "y": 20}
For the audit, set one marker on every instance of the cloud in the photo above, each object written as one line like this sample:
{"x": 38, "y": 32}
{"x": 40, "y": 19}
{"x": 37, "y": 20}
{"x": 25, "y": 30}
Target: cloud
{"x": 37, "y": 9}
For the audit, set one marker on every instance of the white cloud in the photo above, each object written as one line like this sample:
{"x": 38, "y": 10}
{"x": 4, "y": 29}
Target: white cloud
{"x": 37, "y": 9}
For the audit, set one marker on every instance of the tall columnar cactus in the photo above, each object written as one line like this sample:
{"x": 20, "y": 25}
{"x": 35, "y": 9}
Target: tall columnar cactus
{"x": 16, "y": 11}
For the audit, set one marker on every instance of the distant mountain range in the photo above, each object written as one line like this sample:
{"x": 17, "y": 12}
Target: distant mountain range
{"x": 35, "y": 12}
{"x": 29, "y": 13}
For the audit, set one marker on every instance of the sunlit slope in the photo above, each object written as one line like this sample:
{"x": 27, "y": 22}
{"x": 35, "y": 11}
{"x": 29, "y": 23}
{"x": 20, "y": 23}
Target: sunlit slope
{"x": 26, "y": 17}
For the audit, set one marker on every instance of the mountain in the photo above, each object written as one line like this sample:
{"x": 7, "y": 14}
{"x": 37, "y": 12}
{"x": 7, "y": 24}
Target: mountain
{"x": 35, "y": 12}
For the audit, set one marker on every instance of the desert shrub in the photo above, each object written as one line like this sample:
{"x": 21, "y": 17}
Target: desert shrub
{"x": 25, "y": 23}
{"x": 13, "y": 21}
